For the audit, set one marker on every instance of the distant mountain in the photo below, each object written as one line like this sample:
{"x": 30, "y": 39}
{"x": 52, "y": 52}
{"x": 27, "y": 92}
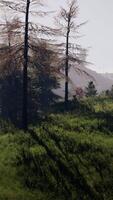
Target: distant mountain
{"x": 108, "y": 75}
{"x": 80, "y": 76}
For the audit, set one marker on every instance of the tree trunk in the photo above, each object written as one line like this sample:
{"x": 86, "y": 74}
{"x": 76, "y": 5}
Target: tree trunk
{"x": 25, "y": 77}
{"x": 67, "y": 66}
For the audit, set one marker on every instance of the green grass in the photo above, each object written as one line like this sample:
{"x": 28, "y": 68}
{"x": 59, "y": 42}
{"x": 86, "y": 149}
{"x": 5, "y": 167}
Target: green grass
{"x": 103, "y": 104}
{"x": 11, "y": 186}
{"x": 72, "y": 158}
{"x": 69, "y": 156}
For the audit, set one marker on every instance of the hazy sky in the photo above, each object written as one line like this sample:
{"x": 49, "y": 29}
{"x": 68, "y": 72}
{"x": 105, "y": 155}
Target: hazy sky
{"x": 98, "y": 32}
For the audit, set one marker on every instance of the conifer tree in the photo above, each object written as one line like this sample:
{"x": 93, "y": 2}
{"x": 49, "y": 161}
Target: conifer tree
{"x": 91, "y": 90}
{"x": 26, "y": 7}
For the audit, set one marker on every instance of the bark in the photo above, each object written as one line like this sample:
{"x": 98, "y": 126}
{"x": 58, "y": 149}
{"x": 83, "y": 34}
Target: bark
{"x": 25, "y": 71}
{"x": 67, "y": 65}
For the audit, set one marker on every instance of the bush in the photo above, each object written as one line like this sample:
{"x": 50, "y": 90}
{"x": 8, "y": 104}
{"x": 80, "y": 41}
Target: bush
{"x": 73, "y": 163}
{"x": 6, "y": 127}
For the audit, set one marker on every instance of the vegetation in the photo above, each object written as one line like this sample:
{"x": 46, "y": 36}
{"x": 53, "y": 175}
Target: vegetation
{"x": 91, "y": 90}
{"x": 42, "y": 79}
{"x": 109, "y": 93}
{"x": 50, "y": 149}
{"x": 28, "y": 33}
{"x": 68, "y": 156}
{"x": 66, "y": 21}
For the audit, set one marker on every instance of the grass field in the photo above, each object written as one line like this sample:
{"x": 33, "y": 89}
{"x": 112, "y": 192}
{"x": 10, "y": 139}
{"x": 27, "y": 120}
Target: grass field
{"x": 68, "y": 156}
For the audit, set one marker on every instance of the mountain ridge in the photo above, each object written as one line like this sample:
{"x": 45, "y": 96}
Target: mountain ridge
{"x": 79, "y": 76}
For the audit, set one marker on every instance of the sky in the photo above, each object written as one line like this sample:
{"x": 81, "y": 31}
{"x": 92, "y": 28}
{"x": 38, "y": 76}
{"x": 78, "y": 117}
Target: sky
{"x": 97, "y": 33}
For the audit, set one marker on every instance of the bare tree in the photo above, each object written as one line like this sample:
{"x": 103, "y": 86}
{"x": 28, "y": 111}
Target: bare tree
{"x": 66, "y": 20}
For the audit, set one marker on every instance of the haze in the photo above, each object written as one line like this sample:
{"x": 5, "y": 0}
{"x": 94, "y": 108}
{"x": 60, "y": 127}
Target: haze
{"x": 98, "y": 32}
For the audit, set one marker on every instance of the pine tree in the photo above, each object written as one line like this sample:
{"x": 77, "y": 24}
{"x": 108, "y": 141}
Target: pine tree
{"x": 43, "y": 80}
{"x": 26, "y": 7}
{"x": 91, "y": 90}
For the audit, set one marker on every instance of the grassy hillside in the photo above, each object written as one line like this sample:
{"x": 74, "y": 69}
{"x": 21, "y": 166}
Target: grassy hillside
{"x": 66, "y": 157}
{"x": 11, "y": 187}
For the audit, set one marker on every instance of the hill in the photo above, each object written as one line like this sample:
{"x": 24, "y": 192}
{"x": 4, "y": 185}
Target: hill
{"x": 68, "y": 156}
{"x": 81, "y": 75}
{"x": 108, "y": 75}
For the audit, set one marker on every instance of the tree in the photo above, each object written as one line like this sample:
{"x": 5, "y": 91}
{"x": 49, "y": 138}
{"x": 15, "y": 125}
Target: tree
{"x": 24, "y": 7}
{"x": 91, "y": 90}
{"x": 11, "y": 71}
{"x": 109, "y": 93}
{"x": 25, "y": 68}
{"x": 11, "y": 97}
{"x": 68, "y": 29}
{"x": 42, "y": 80}
{"x": 79, "y": 93}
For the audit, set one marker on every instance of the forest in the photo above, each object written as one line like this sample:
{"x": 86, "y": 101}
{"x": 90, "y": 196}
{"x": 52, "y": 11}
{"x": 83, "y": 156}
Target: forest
{"x": 52, "y": 146}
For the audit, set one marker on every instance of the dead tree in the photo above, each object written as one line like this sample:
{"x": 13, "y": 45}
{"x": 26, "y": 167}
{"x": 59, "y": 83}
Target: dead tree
{"x": 66, "y": 21}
